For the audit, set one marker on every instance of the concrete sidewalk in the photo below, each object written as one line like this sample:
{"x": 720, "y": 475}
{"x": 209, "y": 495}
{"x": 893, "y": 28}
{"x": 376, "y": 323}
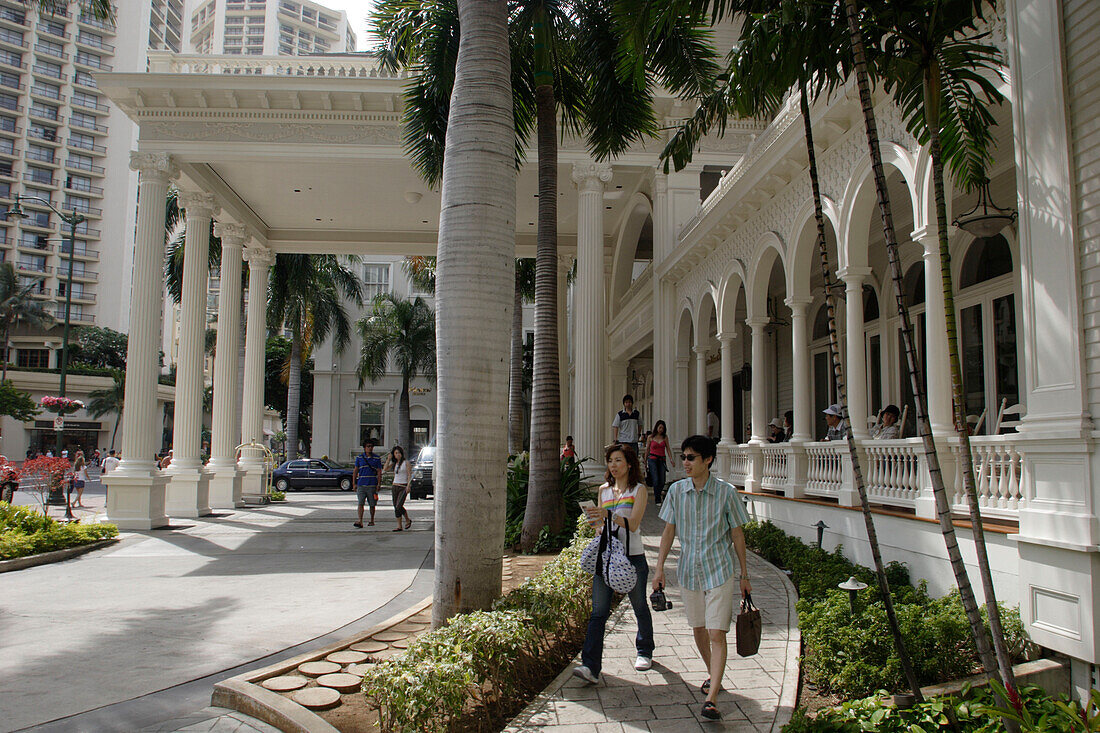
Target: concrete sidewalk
{"x": 760, "y": 691}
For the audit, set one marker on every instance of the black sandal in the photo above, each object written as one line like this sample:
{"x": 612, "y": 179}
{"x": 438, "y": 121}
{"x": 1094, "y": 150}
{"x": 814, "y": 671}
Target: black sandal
{"x": 706, "y": 687}
{"x": 710, "y": 711}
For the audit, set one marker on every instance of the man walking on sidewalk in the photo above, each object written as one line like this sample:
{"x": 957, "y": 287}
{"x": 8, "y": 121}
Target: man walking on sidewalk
{"x": 706, "y": 513}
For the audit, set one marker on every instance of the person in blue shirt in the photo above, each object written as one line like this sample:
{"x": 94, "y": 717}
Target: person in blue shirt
{"x": 367, "y": 476}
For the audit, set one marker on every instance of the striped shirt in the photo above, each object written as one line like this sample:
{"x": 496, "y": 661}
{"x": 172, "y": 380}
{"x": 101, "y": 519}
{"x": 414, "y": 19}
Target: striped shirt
{"x": 703, "y": 520}
{"x": 624, "y": 507}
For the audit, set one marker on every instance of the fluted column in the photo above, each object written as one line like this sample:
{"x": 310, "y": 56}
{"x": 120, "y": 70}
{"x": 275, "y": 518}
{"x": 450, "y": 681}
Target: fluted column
{"x": 225, "y": 483}
{"x": 937, "y": 367}
{"x": 856, "y": 366}
{"x": 189, "y": 486}
{"x": 590, "y": 315}
{"x": 802, "y": 388}
{"x": 252, "y": 420}
{"x": 135, "y": 499}
{"x": 700, "y": 389}
{"x": 759, "y": 380}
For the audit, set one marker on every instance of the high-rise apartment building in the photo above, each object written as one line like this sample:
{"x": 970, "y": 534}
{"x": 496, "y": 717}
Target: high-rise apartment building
{"x": 268, "y": 28}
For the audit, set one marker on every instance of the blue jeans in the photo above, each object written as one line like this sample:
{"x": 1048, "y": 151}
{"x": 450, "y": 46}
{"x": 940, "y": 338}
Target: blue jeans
{"x": 592, "y": 652}
{"x": 657, "y": 470}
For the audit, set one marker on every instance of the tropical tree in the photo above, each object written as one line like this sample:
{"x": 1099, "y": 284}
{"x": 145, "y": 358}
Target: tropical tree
{"x": 16, "y": 403}
{"x": 565, "y": 57}
{"x": 104, "y": 401}
{"x": 18, "y": 306}
{"x": 941, "y": 70}
{"x": 276, "y": 376}
{"x": 306, "y": 297}
{"x": 403, "y": 330}
{"x": 420, "y": 270}
{"x": 525, "y": 293}
{"x": 98, "y": 347}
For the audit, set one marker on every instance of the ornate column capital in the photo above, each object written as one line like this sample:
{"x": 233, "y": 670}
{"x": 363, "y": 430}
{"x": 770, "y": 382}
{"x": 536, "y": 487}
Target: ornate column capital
{"x": 798, "y": 304}
{"x": 231, "y": 233}
{"x": 154, "y": 165}
{"x": 260, "y": 256}
{"x": 757, "y": 323}
{"x": 660, "y": 182}
{"x": 591, "y": 176}
{"x": 198, "y": 203}
{"x": 699, "y": 351}
{"x": 853, "y": 276}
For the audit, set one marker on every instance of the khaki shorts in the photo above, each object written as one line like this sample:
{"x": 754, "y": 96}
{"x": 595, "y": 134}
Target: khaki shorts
{"x": 712, "y": 608}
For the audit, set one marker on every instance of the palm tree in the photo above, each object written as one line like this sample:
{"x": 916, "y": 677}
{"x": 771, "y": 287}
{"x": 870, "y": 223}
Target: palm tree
{"x": 403, "y": 330}
{"x": 525, "y": 292}
{"x": 421, "y": 272}
{"x": 306, "y": 296}
{"x": 939, "y": 69}
{"x": 17, "y": 306}
{"x": 565, "y": 57}
{"x": 104, "y": 401}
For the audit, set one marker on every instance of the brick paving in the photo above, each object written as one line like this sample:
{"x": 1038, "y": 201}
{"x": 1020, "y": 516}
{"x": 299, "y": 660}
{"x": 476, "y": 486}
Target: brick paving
{"x": 760, "y": 691}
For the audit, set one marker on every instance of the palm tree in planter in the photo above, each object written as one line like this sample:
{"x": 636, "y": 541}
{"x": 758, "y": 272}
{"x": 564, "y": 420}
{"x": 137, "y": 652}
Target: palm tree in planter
{"x": 18, "y": 306}
{"x": 306, "y": 296}
{"x": 104, "y": 401}
{"x": 404, "y": 331}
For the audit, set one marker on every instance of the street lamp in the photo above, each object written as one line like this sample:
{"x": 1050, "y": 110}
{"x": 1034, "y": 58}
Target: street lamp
{"x": 73, "y": 220}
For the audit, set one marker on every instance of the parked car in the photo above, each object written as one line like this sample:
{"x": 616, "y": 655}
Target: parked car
{"x": 421, "y": 486}
{"x": 312, "y": 473}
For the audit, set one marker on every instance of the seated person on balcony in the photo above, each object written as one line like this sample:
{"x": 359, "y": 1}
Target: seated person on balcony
{"x": 838, "y": 427}
{"x": 887, "y": 427}
{"x": 776, "y": 432}
{"x": 788, "y": 426}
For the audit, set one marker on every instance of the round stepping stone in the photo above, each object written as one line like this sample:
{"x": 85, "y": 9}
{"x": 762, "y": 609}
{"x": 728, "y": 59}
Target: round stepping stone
{"x": 347, "y": 657}
{"x": 357, "y": 669}
{"x": 316, "y": 669}
{"x": 369, "y": 647}
{"x": 390, "y": 636}
{"x": 286, "y": 683}
{"x": 317, "y": 698}
{"x": 409, "y": 627}
{"x": 387, "y": 653}
{"x": 341, "y": 681}
{"x": 401, "y": 644}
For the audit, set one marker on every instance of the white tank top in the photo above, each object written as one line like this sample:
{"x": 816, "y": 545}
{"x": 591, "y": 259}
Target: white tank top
{"x": 623, "y": 506}
{"x": 401, "y": 474}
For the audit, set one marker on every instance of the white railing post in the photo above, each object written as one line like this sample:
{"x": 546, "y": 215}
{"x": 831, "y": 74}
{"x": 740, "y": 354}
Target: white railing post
{"x": 848, "y": 495}
{"x": 755, "y": 464}
{"x": 797, "y": 468}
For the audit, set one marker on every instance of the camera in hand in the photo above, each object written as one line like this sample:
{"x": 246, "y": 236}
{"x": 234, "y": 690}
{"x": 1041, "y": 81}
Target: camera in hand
{"x": 658, "y": 601}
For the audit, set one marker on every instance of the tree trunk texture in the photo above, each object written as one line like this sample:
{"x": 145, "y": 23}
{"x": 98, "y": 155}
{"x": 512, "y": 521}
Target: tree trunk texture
{"x": 838, "y": 375}
{"x": 404, "y": 423}
{"x": 114, "y": 433}
{"x": 545, "y": 506}
{"x": 515, "y": 377}
{"x": 240, "y": 371}
{"x": 943, "y": 508}
{"x": 293, "y": 396}
{"x": 474, "y": 289}
{"x": 932, "y": 93}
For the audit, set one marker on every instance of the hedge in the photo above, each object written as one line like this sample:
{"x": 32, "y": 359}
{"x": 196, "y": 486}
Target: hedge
{"x": 24, "y": 531}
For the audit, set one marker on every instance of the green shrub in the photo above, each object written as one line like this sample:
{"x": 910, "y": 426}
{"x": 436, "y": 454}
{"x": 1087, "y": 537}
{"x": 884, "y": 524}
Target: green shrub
{"x": 24, "y": 531}
{"x": 277, "y": 496}
{"x": 573, "y": 492}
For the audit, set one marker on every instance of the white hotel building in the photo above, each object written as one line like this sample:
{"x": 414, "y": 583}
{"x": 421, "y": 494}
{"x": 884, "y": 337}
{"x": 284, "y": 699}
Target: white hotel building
{"x": 682, "y": 280}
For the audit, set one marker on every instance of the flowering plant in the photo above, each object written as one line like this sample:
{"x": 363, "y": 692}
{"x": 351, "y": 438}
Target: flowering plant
{"x": 60, "y": 404}
{"x": 9, "y": 472}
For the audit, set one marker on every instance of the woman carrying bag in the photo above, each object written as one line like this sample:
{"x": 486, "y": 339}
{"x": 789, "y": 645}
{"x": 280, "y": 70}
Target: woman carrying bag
{"x": 622, "y": 498}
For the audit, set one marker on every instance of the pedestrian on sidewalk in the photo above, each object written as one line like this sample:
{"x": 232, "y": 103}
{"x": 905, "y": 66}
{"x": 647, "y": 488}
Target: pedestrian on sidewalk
{"x": 396, "y": 462}
{"x": 367, "y": 475}
{"x": 110, "y": 463}
{"x": 657, "y": 459}
{"x": 622, "y": 499}
{"x": 706, "y": 513}
{"x": 626, "y": 426}
{"x": 80, "y": 476}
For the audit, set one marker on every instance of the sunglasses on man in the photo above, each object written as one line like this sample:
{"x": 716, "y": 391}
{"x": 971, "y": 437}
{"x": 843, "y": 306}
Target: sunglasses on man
{"x": 689, "y": 457}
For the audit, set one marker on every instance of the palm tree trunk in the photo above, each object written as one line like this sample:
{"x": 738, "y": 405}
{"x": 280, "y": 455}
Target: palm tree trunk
{"x": 515, "y": 378}
{"x": 114, "y": 433}
{"x": 294, "y": 395}
{"x": 943, "y": 509}
{"x": 404, "y": 424}
{"x": 7, "y": 355}
{"x": 932, "y": 92}
{"x": 838, "y": 375}
{"x": 475, "y": 267}
{"x": 545, "y": 507}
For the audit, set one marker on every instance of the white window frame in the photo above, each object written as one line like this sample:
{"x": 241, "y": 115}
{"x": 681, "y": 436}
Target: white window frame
{"x": 369, "y": 283}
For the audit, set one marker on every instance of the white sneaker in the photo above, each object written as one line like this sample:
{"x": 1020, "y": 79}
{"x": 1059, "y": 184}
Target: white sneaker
{"x": 585, "y": 674}
{"x": 643, "y": 663}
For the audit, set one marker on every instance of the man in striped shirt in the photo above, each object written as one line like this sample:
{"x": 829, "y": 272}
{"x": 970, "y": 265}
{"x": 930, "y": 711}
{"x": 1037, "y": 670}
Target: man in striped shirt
{"x": 706, "y": 513}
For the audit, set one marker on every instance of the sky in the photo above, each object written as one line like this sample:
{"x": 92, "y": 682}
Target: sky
{"x": 357, "y": 11}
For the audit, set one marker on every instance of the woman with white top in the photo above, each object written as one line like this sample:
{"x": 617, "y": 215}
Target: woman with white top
{"x": 396, "y": 462}
{"x": 624, "y": 496}
{"x": 80, "y": 477}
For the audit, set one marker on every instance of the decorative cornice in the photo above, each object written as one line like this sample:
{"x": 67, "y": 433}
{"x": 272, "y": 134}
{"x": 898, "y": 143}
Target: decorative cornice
{"x": 154, "y": 166}
{"x": 230, "y": 233}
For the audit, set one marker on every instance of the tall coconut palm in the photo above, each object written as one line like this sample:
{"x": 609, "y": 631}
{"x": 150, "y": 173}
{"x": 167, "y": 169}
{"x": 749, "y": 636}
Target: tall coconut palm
{"x": 775, "y": 53}
{"x": 306, "y": 296}
{"x": 18, "y": 306}
{"x": 104, "y": 401}
{"x": 941, "y": 72}
{"x": 403, "y": 330}
{"x": 525, "y": 292}
{"x": 565, "y": 55}
{"x": 475, "y": 272}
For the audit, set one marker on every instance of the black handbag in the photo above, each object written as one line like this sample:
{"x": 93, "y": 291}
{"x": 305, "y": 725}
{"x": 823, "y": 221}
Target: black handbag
{"x": 749, "y": 628}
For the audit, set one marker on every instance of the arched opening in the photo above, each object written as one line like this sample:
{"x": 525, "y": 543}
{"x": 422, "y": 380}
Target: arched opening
{"x": 633, "y": 250}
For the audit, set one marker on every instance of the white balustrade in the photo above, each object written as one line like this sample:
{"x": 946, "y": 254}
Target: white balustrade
{"x": 358, "y": 66}
{"x": 774, "y": 475}
{"x": 825, "y": 470}
{"x": 998, "y": 475}
{"x": 892, "y": 471}
{"x": 740, "y": 468}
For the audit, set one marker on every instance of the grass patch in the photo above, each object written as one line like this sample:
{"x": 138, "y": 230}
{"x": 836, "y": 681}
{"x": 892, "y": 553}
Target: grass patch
{"x": 24, "y": 531}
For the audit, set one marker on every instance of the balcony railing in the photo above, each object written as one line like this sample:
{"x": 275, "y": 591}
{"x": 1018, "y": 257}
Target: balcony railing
{"x": 82, "y": 297}
{"x": 87, "y": 146}
{"x": 357, "y": 66}
{"x": 75, "y": 121}
{"x": 82, "y": 166}
{"x": 998, "y": 475}
{"x": 94, "y": 43}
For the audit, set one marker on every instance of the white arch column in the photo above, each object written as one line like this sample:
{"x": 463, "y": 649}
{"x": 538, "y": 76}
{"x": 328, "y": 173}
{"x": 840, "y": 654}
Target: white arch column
{"x": 759, "y": 380}
{"x": 225, "y": 480}
{"x": 856, "y": 367}
{"x": 728, "y": 438}
{"x": 564, "y": 384}
{"x": 802, "y": 387}
{"x": 135, "y": 497}
{"x": 681, "y": 406}
{"x": 700, "y": 388}
{"x": 590, "y": 316}
{"x": 935, "y": 339}
{"x": 189, "y": 486}
{"x": 252, "y": 421}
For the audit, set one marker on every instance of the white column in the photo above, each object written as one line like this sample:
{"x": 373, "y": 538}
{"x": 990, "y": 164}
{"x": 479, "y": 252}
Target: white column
{"x": 856, "y": 368}
{"x": 135, "y": 497}
{"x": 565, "y": 387}
{"x": 252, "y": 421}
{"x": 681, "y": 404}
{"x": 189, "y": 486}
{"x": 225, "y": 481}
{"x": 935, "y": 339}
{"x": 802, "y": 388}
{"x": 592, "y": 426}
{"x": 700, "y": 389}
{"x": 726, "y": 340}
{"x": 759, "y": 380}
